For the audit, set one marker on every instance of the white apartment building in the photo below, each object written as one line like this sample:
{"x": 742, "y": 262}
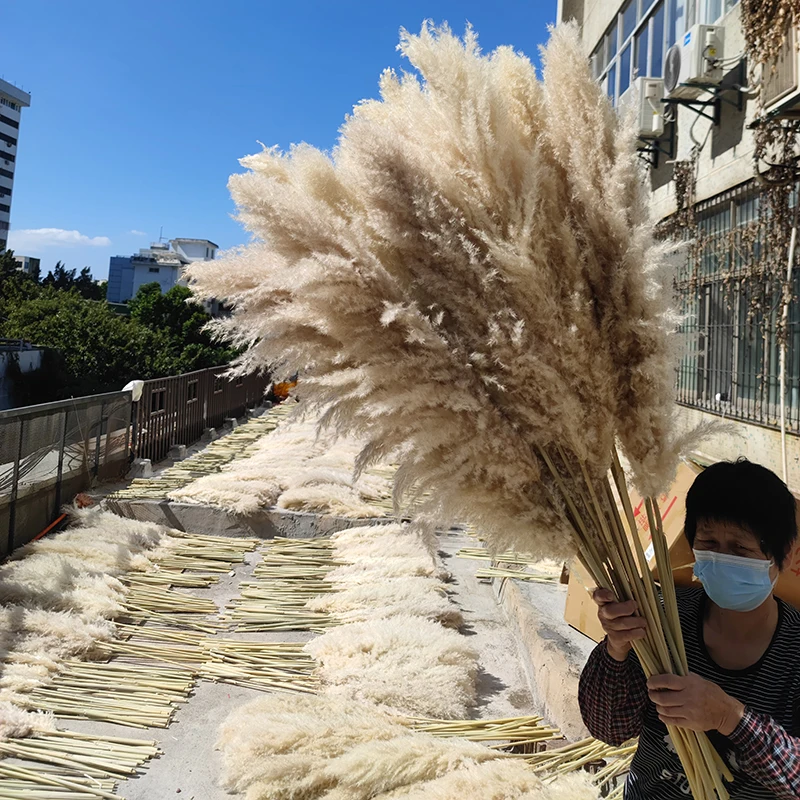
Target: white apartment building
{"x": 161, "y": 263}
{"x": 730, "y": 365}
{"x": 12, "y": 101}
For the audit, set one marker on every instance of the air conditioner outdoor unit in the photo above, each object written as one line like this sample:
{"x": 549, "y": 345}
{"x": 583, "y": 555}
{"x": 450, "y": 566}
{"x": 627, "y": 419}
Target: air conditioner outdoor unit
{"x": 647, "y": 93}
{"x": 780, "y": 81}
{"x": 693, "y": 61}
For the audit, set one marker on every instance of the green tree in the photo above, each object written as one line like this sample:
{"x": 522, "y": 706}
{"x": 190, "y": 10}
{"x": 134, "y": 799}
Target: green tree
{"x": 181, "y": 321}
{"x": 62, "y": 278}
{"x": 16, "y": 286}
{"x": 101, "y": 350}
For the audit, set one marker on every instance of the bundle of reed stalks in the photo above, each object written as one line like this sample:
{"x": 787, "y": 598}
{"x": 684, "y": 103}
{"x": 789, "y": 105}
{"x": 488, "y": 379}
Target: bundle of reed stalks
{"x": 612, "y": 762}
{"x": 471, "y": 284}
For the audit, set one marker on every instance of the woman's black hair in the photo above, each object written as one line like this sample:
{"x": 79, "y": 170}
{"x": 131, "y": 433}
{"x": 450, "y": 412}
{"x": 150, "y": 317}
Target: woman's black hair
{"x": 750, "y": 496}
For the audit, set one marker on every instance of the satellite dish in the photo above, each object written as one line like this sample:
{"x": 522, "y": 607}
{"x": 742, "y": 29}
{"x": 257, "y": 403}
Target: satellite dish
{"x": 672, "y": 69}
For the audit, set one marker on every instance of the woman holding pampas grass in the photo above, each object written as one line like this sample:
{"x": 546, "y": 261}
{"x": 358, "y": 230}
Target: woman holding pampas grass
{"x": 743, "y": 647}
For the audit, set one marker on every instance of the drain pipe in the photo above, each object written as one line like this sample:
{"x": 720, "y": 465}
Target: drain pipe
{"x": 784, "y": 316}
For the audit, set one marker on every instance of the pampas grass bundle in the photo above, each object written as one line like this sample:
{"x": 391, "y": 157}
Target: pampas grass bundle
{"x": 406, "y": 663}
{"x": 293, "y": 468}
{"x": 306, "y": 748}
{"x": 415, "y": 596}
{"x": 470, "y": 284}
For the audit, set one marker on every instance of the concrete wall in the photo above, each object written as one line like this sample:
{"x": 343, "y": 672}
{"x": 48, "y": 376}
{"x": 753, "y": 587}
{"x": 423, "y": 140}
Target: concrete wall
{"x": 734, "y": 439}
{"x": 28, "y": 360}
{"x": 166, "y": 277}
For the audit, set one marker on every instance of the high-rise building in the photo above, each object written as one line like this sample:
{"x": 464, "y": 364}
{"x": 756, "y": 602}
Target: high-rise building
{"x": 12, "y": 101}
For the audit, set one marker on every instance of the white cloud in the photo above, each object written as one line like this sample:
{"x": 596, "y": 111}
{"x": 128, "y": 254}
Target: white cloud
{"x": 134, "y": 232}
{"x": 33, "y": 240}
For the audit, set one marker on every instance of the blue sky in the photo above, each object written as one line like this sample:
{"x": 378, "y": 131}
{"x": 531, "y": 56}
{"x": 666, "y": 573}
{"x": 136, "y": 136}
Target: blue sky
{"x": 141, "y": 108}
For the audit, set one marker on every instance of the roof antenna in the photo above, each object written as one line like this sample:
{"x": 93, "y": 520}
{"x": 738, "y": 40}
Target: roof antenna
{"x": 161, "y": 234}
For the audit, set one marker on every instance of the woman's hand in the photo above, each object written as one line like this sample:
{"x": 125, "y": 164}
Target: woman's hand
{"x": 620, "y": 623}
{"x": 695, "y": 703}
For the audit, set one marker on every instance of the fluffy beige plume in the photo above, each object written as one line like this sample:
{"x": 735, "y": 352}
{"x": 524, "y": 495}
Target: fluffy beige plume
{"x": 415, "y": 596}
{"x": 382, "y": 577}
{"x": 278, "y": 748}
{"x": 469, "y": 276}
{"x": 406, "y": 663}
{"x": 295, "y": 469}
{"x": 497, "y": 780}
{"x": 58, "y": 594}
{"x": 15, "y": 723}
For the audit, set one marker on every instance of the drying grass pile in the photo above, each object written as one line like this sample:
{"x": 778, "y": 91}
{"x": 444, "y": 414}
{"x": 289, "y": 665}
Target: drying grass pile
{"x": 396, "y": 646}
{"x": 294, "y": 469}
{"x": 470, "y": 284}
{"x": 387, "y": 570}
{"x": 58, "y": 595}
{"x": 404, "y": 662}
{"x": 302, "y": 749}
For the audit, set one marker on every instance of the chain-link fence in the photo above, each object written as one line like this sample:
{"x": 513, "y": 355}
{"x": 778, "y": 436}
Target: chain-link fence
{"x": 50, "y": 452}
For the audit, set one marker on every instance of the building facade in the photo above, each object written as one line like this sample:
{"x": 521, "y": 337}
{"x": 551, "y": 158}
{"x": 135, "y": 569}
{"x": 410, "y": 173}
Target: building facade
{"x": 161, "y": 263}
{"x": 12, "y": 101}
{"x": 731, "y": 362}
{"x": 30, "y": 265}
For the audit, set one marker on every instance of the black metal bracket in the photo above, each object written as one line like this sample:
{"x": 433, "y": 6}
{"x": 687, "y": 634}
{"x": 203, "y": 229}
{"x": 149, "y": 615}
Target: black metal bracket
{"x": 733, "y": 81}
{"x": 653, "y": 148}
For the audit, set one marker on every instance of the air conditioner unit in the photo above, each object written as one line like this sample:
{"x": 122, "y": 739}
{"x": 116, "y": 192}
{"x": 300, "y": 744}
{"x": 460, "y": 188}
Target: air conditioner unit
{"x": 693, "y": 61}
{"x": 647, "y": 93}
{"x": 780, "y": 81}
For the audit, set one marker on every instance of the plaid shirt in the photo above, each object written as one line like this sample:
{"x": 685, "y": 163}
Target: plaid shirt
{"x": 615, "y": 707}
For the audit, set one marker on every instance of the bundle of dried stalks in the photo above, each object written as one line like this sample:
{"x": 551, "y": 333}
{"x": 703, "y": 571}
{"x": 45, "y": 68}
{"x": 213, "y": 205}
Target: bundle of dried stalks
{"x": 406, "y": 663}
{"x": 293, "y": 468}
{"x": 301, "y": 749}
{"x": 471, "y": 285}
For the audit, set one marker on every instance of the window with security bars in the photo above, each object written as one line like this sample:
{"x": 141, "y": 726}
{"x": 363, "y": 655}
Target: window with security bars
{"x": 731, "y": 317}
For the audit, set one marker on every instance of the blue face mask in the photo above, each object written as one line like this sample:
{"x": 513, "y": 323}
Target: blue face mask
{"x": 734, "y": 582}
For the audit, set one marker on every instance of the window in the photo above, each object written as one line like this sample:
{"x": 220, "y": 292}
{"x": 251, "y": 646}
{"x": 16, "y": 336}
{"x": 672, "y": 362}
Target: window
{"x": 9, "y": 158}
{"x": 611, "y": 43}
{"x": 659, "y": 46}
{"x": 206, "y": 252}
{"x": 8, "y": 121}
{"x": 218, "y": 383}
{"x": 5, "y": 191}
{"x": 153, "y": 269}
{"x": 611, "y": 88}
{"x": 191, "y": 391}
{"x": 9, "y": 103}
{"x": 9, "y": 140}
{"x": 642, "y": 39}
{"x": 5, "y": 208}
{"x": 6, "y": 173}
{"x": 625, "y": 70}
{"x": 635, "y": 44}
{"x": 629, "y": 18}
{"x": 730, "y": 363}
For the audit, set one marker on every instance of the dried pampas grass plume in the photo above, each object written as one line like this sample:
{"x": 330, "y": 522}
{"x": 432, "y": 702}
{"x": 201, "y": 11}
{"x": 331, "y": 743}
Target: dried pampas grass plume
{"x": 469, "y": 277}
{"x": 278, "y": 748}
{"x": 406, "y": 663}
{"x": 296, "y": 469}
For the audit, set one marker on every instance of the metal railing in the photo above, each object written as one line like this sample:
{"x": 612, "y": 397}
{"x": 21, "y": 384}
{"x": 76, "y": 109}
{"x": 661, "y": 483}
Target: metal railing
{"x": 177, "y": 410}
{"x": 51, "y": 452}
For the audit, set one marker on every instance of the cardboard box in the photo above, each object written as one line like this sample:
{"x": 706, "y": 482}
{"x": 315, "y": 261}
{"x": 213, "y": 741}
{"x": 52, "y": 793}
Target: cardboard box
{"x": 581, "y": 611}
